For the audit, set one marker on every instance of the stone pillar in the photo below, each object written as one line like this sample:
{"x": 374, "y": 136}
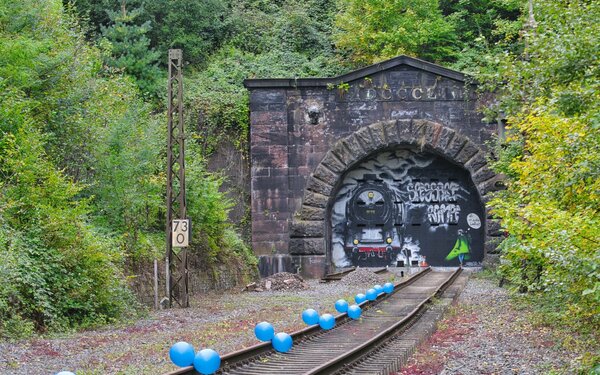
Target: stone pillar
{"x": 269, "y": 172}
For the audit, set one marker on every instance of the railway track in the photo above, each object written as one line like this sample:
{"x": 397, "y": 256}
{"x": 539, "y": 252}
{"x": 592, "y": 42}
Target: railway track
{"x": 388, "y": 329}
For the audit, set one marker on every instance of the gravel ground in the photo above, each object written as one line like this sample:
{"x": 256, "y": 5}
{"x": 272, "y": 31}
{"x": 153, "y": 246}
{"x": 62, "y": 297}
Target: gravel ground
{"x": 484, "y": 333}
{"x": 221, "y": 321}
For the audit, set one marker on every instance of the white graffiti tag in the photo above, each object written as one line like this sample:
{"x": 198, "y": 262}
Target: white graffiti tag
{"x": 433, "y": 191}
{"x": 443, "y": 213}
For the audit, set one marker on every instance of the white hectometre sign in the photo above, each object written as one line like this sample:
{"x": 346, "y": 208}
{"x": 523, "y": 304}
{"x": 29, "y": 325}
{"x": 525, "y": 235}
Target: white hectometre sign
{"x": 180, "y": 233}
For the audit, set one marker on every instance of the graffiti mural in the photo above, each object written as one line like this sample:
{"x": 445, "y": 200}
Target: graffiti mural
{"x": 404, "y": 207}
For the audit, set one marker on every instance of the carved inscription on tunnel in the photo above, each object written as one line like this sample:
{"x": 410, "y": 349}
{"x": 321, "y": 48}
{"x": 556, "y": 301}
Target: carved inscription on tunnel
{"x": 403, "y": 86}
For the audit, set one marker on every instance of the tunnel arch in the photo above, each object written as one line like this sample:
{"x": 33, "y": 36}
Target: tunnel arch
{"x": 311, "y": 226}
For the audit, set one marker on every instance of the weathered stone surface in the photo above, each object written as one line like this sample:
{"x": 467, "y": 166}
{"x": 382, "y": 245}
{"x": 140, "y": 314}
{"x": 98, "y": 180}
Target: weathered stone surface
{"x": 333, "y": 163}
{"x": 267, "y": 96}
{"x": 468, "y": 151}
{"x": 491, "y": 244}
{"x": 420, "y": 127}
{"x": 326, "y": 175}
{"x": 364, "y": 137}
{"x": 486, "y": 187}
{"x": 272, "y": 264}
{"x": 491, "y": 261}
{"x": 269, "y": 247}
{"x": 343, "y": 153}
{"x": 268, "y": 118}
{"x": 307, "y": 246}
{"x": 354, "y": 145}
{"x": 455, "y": 146}
{"x": 317, "y": 186}
{"x": 312, "y": 213}
{"x": 477, "y": 162}
{"x": 494, "y": 228}
{"x": 483, "y": 175}
{"x": 262, "y": 135}
{"x": 391, "y": 131}
{"x": 378, "y": 135}
{"x": 432, "y": 134}
{"x": 406, "y": 132}
{"x": 311, "y": 266}
{"x": 446, "y": 136}
{"x": 302, "y": 228}
{"x": 315, "y": 199}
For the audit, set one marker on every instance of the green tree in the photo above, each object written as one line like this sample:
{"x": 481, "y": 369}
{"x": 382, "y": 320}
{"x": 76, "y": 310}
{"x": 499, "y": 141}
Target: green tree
{"x": 129, "y": 48}
{"x": 550, "y": 93}
{"x": 57, "y": 270}
{"x": 197, "y": 27}
{"x": 375, "y": 30}
{"x": 484, "y": 29}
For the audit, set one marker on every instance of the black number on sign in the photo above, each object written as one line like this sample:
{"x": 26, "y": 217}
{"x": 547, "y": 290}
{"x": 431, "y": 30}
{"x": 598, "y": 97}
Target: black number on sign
{"x": 180, "y": 238}
{"x": 176, "y": 226}
{"x": 184, "y": 226}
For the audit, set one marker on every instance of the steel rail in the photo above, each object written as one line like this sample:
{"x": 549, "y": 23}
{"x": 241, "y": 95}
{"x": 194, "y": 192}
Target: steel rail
{"x": 257, "y": 350}
{"x": 357, "y": 352}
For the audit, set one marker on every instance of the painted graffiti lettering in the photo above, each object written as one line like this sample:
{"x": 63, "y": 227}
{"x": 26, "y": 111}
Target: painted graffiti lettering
{"x": 443, "y": 213}
{"x": 432, "y": 191}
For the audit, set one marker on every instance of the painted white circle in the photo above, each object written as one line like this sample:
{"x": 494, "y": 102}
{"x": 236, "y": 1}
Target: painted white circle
{"x": 473, "y": 221}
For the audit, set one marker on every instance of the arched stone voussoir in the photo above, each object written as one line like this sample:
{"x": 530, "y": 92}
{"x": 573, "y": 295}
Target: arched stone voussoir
{"x": 363, "y": 135}
{"x": 379, "y": 134}
{"x": 333, "y": 163}
{"x": 325, "y": 174}
{"x": 467, "y": 152}
{"x": 476, "y": 163}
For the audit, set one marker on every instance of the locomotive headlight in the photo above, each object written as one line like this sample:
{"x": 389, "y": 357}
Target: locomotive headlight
{"x": 370, "y": 195}
{"x": 355, "y": 242}
{"x": 389, "y": 240}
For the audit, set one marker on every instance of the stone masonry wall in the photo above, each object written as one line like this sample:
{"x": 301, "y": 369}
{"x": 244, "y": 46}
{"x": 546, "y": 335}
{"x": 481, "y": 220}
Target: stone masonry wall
{"x": 295, "y": 124}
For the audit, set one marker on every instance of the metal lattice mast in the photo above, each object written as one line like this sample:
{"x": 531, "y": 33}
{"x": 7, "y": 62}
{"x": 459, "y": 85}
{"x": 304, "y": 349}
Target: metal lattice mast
{"x": 176, "y": 258}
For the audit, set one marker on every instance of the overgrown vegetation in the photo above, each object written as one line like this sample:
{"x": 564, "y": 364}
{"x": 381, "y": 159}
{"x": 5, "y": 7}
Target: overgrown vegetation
{"x": 82, "y": 179}
{"x": 549, "y": 91}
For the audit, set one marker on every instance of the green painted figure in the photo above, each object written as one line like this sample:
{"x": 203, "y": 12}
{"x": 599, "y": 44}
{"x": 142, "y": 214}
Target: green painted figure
{"x": 461, "y": 248}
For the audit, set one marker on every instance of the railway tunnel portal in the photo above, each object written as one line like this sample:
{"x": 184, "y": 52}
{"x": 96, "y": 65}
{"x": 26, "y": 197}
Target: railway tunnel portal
{"x": 386, "y": 165}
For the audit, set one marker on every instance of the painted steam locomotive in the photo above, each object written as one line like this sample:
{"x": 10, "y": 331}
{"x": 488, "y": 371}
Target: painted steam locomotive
{"x": 373, "y": 218}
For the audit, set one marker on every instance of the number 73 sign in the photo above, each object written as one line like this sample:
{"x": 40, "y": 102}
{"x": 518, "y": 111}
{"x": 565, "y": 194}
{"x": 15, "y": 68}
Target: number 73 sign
{"x": 180, "y": 233}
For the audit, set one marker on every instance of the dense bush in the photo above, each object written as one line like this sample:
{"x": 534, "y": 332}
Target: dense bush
{"x": 56, "y": 270}
{"x": 550, "y": 92}
{"x": 81, "y": 179}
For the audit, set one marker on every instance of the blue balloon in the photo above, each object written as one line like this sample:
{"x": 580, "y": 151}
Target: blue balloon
{"x": 341, "y": 305}
{"x": 327, "y": 321}
{"x": 282, "y": 342}
{"x": 360, "y": 298}
{"x": 310, "y": 317}
{"x": 207, "y": 361}
{"x": 388, "y": 288}
{"x": 65, "y": 373}
{"x": 182, "y": 354}
{"x": 378, "y": 288}
{"x": 264, "y": 331}
{"x": 371, "y": 294}
{"x": 354, "y": 312}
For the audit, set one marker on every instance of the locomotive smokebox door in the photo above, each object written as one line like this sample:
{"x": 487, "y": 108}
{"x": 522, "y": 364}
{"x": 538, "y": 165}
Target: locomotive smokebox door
{"x": 407, "y": 207}
{"x": 370, "y": 231}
